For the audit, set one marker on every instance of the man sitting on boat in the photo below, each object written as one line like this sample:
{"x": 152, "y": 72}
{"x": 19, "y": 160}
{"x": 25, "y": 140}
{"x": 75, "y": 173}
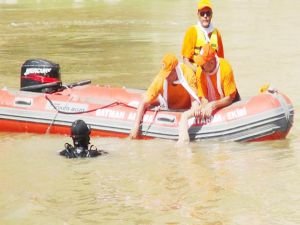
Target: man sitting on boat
{"x": 216, "y": 88}
{"x": 174, "y": 87}
{"x": 201, "y": 33}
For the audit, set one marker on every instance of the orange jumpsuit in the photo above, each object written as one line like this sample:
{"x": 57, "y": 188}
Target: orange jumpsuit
{"x": 178, "y": 97}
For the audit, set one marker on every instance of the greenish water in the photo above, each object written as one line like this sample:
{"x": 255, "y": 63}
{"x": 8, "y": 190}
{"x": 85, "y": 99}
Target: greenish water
{"x": 121, "y": 43}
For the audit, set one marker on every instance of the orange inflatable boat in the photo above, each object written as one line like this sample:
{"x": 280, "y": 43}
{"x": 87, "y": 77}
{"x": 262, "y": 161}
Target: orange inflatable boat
{"x": 111, "y": 111}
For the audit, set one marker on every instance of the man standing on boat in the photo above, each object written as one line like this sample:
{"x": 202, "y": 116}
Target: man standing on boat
{"x": 174, "y": 87}
{"x": 198, "y": 35}
{"x": 216, "y": 88}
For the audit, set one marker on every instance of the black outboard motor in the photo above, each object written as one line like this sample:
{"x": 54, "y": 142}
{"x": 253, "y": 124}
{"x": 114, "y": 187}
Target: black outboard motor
{"x": 40, "y": 75}
{"x": 80, "y": 133}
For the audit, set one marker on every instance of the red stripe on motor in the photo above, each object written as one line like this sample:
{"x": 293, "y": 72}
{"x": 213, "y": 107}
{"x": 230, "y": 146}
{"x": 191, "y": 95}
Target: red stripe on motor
{"x": 40, "y": 79}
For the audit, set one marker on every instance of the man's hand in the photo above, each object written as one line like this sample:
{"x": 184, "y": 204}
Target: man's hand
{"x": 207, "y": 110}
{"x": 134, "y": 132}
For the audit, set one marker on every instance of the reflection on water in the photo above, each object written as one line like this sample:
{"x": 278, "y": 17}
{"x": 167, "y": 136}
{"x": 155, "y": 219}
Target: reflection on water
{"x": 148, "y": 182}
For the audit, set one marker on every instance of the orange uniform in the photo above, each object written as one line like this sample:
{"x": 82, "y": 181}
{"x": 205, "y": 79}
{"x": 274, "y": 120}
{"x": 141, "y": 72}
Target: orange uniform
{"x": 226, "y": 82}
{"x": 194, "y": 40}
{"x": 178, "y": 97}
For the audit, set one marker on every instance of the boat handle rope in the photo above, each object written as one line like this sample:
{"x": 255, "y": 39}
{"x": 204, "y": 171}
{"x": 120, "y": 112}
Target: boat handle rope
{"x": 52, "y": 122}
{"x": 116, "y": 103}
{"x": 92, "y": 110}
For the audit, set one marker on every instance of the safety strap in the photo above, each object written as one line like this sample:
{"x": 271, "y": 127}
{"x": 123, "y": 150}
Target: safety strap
{"x": 185, "y": 84}
{"x": 210, "y": 88}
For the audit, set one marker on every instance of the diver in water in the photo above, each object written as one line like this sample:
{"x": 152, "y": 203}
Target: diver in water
{"x": 80, "y": 133}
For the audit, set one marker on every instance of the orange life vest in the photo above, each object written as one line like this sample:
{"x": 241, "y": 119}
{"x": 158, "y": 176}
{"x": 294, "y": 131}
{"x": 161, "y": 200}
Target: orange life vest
{"x": 203, "y": 39}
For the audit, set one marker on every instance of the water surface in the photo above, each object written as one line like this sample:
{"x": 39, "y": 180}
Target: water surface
{"x": 120, "y": 43}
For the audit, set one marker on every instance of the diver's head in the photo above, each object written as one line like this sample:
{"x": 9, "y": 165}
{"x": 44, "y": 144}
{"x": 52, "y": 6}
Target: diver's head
{"x": 80, "y": 133}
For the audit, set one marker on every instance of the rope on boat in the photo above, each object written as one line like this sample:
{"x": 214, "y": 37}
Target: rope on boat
{"x": 116, "y": 103}
{"x": 57, "y": 111}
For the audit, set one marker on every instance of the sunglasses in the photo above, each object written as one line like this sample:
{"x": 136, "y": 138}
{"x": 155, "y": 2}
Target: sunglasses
{"x": 207, "y": 13}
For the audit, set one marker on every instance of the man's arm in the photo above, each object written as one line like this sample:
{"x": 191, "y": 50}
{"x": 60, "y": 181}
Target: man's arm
{"x": 188, "y": 45}
{"x": 210, "y": 107}
{"x": 139, "y": 116}
{"x": 187, "y": 62}
{"x": 183, "y": 134}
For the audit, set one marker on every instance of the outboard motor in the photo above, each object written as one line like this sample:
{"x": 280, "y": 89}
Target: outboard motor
{"x": 40, "y": 75}
{"x": 80, "y": 133}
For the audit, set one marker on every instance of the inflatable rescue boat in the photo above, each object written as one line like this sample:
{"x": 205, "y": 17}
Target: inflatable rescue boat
{"x": 45, "y": 105}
